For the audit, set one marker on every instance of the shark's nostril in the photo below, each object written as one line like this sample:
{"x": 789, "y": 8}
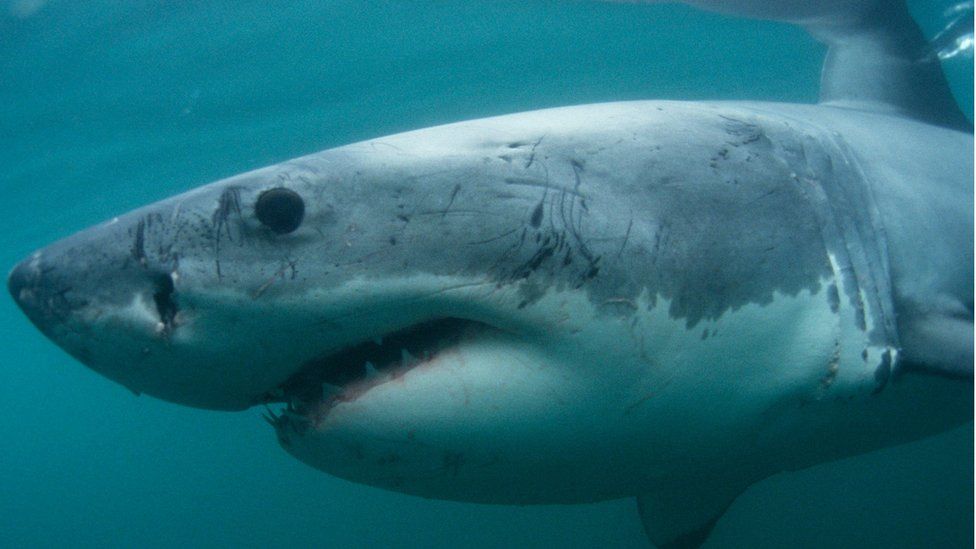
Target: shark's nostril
{"x": 163, "y": 298}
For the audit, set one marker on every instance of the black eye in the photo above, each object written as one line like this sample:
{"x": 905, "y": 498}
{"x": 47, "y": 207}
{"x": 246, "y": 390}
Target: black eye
{"x": 280, "y": 210}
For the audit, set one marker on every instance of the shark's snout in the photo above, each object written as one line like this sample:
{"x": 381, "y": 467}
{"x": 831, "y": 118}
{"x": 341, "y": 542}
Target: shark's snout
{"x": 19, "y": 282}
{"x": 43, "y": 301}
{"x": 92, "y": 283}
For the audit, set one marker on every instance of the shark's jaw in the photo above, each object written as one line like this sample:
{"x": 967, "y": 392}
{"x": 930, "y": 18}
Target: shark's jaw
{"x": 472, "y": 410}
{"x": 439, "y": 387}
{"x": 345, "y": 374}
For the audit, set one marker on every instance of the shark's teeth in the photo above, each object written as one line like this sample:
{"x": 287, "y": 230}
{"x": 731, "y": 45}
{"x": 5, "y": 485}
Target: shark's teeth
{"x": 406, "y": 358}
{"x": 344, "y": 374}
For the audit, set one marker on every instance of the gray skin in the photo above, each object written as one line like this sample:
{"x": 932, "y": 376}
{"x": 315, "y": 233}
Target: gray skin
{"x": 606, "y": 212}
{"x": 710, "y": 219}
{"x": 665, "y": 299}
{"x": 743, "y": 205}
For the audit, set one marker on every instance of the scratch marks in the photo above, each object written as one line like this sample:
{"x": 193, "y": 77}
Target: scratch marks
{"x": 745, "y": 140}
{"x": 630, "y": 225}
{"x": 565, "y": 208}
{"x": 290, "y": 268}
{"x": 536, "y": 219}
{"x": 743, "y": 132}
{"x": 454, "y": 193}
{"x": 528, "y": 163}
{"x": 139, "y": 244}
{"x": 530, "y": 156}
{"x": 228, "y": 203}
{"x": 152, "y": 237}
{"x": 572, "y": 218}
{"x": 494, "y": 238}
{"x": 551, "y": 246}
{"x": 536, "y": 182}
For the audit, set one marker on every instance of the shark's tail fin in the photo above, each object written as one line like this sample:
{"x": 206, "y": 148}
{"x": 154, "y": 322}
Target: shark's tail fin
{"x": 878, "y": 58}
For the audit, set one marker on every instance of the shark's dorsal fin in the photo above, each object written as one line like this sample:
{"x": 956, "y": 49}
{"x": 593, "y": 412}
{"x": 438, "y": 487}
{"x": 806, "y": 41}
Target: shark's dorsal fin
{"x": 883, "y": 62}
{"x": 877, "y": 59}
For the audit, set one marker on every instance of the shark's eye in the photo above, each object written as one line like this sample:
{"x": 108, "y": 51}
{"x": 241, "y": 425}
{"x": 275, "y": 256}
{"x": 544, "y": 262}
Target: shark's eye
{"x": 280, "y": 210}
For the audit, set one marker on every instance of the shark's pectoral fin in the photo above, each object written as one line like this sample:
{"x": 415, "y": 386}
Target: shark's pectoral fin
{"x": 683, "y": 519}
{"x": 938, "y": 340}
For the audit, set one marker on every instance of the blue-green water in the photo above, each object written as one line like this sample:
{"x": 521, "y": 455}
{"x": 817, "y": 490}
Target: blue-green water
{"x": 107, "y": 105}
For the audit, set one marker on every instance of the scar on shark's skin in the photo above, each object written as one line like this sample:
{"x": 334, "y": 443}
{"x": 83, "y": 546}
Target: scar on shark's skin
{"x": 290, "y": 266}
{"x": 229, "y": 203}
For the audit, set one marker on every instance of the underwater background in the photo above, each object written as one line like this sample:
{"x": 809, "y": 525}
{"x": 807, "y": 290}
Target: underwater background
{"x": 108, "y": 105}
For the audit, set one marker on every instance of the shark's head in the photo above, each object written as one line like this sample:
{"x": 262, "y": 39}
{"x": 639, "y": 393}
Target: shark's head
{"x": 472, "y": 311}
{"x": 397, "y": 295}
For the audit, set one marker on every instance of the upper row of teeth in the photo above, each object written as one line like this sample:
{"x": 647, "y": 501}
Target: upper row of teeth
{"x": 406, "y": 359}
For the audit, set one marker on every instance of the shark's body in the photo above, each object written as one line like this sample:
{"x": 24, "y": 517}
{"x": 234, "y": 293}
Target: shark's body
{"x": 659, "y": 299}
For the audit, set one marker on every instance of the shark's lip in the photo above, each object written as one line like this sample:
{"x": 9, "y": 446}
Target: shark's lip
{"x": 346, "y": 374}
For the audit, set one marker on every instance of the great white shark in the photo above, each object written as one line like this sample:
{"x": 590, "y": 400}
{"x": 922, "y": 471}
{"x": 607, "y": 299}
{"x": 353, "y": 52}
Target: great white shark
{"x": 661, "y": 299}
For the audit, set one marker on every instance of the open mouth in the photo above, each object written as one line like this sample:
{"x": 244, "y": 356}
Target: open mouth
{"x": 344, "y": 375}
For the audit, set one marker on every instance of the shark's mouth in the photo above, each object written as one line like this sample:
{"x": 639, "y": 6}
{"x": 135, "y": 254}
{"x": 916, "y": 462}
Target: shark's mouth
{"x": 346, "y": 374}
